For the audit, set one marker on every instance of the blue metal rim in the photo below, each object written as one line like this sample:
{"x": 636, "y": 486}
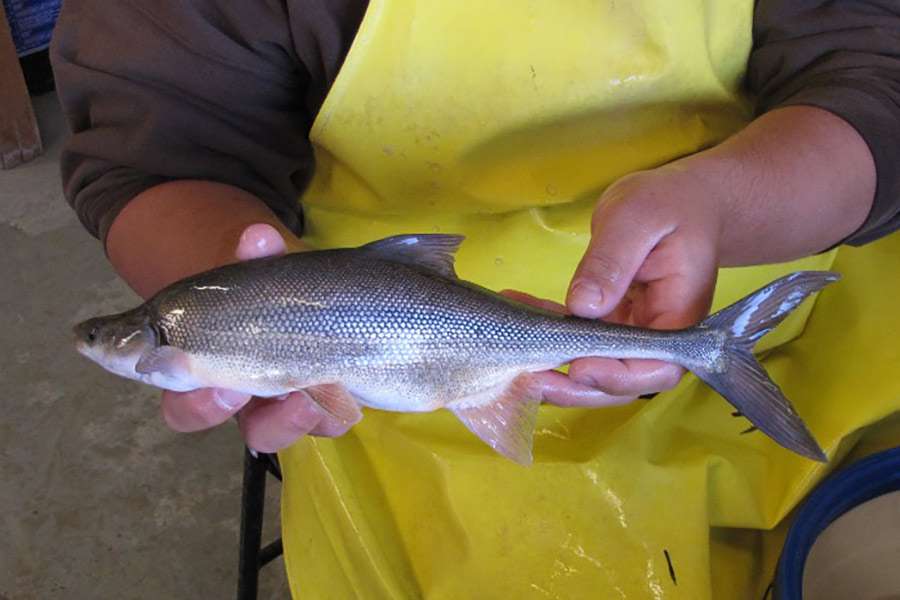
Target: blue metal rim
{"x": 860, "y": 482}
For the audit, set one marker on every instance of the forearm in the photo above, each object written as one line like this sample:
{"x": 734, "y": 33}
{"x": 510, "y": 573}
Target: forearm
{"x": 180, "y": 228}
{"x": 794, "y": 182}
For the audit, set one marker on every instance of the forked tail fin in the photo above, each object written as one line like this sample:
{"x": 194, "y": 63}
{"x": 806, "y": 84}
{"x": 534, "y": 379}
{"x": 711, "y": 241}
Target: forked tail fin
{"x": 742, "y": 380}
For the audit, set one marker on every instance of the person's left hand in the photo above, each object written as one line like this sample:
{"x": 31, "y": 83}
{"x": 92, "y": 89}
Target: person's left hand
{"x": 651, "y": 262}
{"x": 267, "y": 424}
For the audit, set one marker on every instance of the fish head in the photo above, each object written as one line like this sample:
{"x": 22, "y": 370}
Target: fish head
{"x": 117, "y": 342}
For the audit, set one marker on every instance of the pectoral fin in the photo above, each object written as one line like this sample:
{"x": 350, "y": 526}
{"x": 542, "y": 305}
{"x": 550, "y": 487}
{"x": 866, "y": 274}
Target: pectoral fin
{"x": 167, "y": 367}
{"x": 507, "y": 423}
{"x": 337, "y": 401}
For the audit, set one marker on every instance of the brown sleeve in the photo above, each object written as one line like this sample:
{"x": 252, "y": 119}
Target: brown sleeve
{"x": 218, "y": 90}
{"x": 844, "y": 57}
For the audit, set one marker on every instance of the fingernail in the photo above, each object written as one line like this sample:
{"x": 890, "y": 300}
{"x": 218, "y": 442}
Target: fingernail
{"x": 586, "y": 297}
{"x": 229, "y": 399}
{"x": 257, "y": 240}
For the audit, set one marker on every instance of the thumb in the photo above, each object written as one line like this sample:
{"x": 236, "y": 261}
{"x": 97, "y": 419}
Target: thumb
{"x": 260, "y": 240}
{"x": 619, "y": 246}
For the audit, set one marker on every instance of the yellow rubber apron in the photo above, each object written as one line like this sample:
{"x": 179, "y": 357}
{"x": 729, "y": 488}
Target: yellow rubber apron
{"x": 504, "y": 121}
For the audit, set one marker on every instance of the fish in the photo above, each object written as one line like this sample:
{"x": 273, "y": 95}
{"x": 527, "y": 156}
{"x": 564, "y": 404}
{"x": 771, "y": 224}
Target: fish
{"x": 389, "y": 325}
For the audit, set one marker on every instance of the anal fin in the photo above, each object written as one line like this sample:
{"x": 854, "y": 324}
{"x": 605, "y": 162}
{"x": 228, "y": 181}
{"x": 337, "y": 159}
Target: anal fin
{"x": 506, "y": 424}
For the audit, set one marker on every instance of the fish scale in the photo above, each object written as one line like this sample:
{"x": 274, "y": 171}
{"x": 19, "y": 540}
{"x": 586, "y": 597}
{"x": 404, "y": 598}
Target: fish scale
{"x": 371, "y": 320}
{"x": 391, "y": 326}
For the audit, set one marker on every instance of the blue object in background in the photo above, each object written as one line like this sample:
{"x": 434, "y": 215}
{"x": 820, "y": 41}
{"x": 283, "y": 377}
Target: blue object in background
{"x": 31, "y": 23}
{"x": 862, "y": 481}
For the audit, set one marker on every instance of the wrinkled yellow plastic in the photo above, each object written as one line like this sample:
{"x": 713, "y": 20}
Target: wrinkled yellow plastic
{"x": 504, "y": 121}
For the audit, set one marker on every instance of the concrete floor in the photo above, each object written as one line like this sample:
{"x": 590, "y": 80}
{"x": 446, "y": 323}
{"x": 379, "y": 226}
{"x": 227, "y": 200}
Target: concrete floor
{"x": 98, "y": 499}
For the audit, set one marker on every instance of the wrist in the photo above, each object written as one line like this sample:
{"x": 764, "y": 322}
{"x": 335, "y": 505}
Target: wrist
{"x": 796, "y": 181}
{"x": 725, "y": 187}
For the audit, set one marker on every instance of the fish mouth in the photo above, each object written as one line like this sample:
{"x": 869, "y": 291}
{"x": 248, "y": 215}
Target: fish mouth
{"x": 82, "y": 346}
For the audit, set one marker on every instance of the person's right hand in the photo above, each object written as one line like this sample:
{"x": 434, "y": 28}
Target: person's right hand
{"x": 267, "y": 424}
{"x": 651, "y": 262}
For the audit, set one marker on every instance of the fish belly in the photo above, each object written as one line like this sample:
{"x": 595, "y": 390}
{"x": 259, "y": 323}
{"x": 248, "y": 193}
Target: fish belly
{"x": 429, "y": 386}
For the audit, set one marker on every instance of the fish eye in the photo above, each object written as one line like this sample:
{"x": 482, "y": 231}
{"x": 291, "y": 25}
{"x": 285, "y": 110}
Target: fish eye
{"x": 92, "y": 334}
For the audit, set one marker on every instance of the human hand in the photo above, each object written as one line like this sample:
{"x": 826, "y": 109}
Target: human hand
{"x": 267, "y": 424}
{"x": 651, "y": 262}
{"x": 795, "y": 181}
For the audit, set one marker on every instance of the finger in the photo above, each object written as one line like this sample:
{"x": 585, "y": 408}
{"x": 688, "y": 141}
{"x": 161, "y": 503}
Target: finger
{"x": 330, "y": 427}
{"x": 269, "y": 425}
{"x": 620, "y": 241}
{"x": 200, "y": 409}
{"x": 679, "y": 280}
{"x": 621, "y": 313}
{"x": 675, "y": 302}
{"x": 562, "y": 391}
{"x": 260, "y": 240}
{"x": 625, "y": 377}
{"x": 526, "y": 298}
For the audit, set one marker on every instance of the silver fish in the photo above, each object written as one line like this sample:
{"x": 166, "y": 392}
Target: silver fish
{"x": 390, "y": 326}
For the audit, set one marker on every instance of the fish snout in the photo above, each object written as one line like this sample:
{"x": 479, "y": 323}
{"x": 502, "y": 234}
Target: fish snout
{"x": 86, "y": 334}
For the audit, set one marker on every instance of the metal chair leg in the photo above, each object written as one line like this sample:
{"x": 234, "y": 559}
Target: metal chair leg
{"x": 252, "y": 557}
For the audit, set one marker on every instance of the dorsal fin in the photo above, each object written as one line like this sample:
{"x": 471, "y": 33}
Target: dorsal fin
{"x": 431, "y": 251}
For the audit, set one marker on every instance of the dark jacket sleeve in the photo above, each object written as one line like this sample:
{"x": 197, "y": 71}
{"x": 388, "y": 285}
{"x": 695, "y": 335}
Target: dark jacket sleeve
{"x": 157, "y": 91}
{"x": 843, "y": 57}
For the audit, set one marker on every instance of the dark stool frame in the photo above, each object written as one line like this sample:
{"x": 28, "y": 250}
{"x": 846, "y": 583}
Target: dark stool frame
{"x": 253, "y": 556}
